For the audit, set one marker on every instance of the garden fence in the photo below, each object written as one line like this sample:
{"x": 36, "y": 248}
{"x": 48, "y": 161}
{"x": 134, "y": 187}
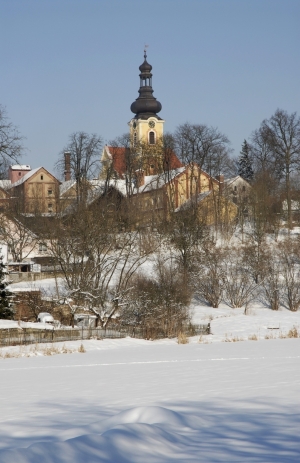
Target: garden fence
{"x": 23, "y": 336}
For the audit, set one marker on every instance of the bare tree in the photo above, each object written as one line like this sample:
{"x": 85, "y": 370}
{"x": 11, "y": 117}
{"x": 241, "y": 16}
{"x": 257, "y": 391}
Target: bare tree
{"x": 271, "y": 283}
{"x": 97, "y": 261}
{"x": 261, "y": 152}
{"x": 85, "y": 150}
{"x": 11, "y": 146}
{"x": 264, "y": 207}
{"x": 282, "y": 137}
{"x": 185, "y": 231}
{"x": 207, "y": 278}
{"x": 205, "y": 146}
{"x": 157, "y": 306}
{"x": 238, "y": 285}
{"x": 290, "y": 265}
{"x": 20, "y": 240}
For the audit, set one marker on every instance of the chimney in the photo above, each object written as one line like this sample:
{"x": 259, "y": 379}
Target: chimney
{"x": 220, "y": 179}
{"x": 67, "y": 155}
{"x": 140, "y": 178}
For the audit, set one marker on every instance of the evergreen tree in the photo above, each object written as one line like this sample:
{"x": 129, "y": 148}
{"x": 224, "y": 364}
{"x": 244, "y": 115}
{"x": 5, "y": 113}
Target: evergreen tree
{"x": 6, "y": 310}
{"x": 244, "y": 163}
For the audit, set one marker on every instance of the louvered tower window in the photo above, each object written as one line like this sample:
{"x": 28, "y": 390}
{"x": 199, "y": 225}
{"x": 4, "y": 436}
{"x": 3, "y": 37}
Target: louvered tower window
{"x": 151, "y": 138}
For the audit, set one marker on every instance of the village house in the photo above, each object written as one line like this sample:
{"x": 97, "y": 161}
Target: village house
{"x": 37, "y": 191}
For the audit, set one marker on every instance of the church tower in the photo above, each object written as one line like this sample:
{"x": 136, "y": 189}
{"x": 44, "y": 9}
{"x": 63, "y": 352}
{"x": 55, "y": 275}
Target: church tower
{"x": 146, "y": 126}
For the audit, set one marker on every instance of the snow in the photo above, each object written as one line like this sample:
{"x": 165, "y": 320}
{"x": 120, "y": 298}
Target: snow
{"x": 130, "y": 400}
{"x": 261, "y": 322}
{"x": 231, "y": 396}
{"x": 47, "y": 285}
{"x": 9, "y": 324}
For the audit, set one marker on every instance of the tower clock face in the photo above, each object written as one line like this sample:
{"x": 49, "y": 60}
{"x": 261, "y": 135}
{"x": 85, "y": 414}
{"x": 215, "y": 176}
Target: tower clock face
{"x": 151, "y": 124}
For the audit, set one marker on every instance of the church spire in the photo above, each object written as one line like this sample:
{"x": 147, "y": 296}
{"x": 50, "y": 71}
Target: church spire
{"x": 146, "y": 105}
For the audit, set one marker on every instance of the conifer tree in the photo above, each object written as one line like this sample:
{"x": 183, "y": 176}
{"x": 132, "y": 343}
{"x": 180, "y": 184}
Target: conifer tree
{"x": 244, "y": 163}
{"x": 6, "y": 310}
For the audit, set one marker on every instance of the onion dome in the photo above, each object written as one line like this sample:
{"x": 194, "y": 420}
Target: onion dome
{"x": 145, "y": 67}
{"x": 146, "y": 105}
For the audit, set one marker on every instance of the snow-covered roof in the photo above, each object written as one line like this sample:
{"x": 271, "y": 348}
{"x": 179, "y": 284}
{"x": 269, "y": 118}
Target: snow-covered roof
{"x": 194, "y": 200}
{"x": 5, "y": 184}
{"x": 154, "y": 182}
{"x": 100, "y": 185}
{"x": 24, "y": 262}
{"x": 26, "y": 177}
{"x": 65, "y": 186}
{"x": 238, "y": 178}
{"x": 295, "y": 205}
{"x": 20, "y": 167}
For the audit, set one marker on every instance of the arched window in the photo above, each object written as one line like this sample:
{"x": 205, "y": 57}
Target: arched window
{"x": 151, "y": 138}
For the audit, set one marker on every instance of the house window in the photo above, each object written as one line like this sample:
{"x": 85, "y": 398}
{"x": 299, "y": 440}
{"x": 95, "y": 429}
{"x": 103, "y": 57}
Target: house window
{"x": 235, "y": 188}
{"x": 50, "y": 191}
{"x": 50, "y": 207}
{"x": 19, "y": 174}
{"x": 42, "y": 247}
{"x": 42, "y": 177}
{"x": 151, "y": 138}
{"x": 244, "y": 188}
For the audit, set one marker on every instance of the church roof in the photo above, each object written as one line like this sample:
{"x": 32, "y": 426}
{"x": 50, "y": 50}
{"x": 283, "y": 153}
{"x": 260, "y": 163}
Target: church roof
{"x": 146, "y": 105}
{"x": 118, "y": 157}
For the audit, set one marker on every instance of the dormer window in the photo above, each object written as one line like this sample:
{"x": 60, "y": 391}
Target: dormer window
{"x": 42, "y": 177}
{"x": 151, "y": 138}
{"x": 42, "y": 247}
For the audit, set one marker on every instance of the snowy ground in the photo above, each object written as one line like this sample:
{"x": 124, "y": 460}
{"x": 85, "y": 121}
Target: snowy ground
{"x": 132, "y": 400}
{"x": 128, "y": 401}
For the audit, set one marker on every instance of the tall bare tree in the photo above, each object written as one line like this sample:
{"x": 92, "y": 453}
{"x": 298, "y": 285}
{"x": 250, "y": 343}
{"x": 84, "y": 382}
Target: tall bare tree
{"x": 282, "y": 136}
{"x": 85, "y": 150}
{"x": 205, "y": 146}
{"x": 20, "y": 240}
{"x": 11, "y": 146}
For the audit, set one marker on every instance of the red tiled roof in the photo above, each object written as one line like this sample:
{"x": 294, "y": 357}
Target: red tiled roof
{"x": 119, "y": 160}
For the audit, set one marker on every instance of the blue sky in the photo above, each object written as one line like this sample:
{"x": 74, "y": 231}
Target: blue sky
{"x": 70, "y": 65}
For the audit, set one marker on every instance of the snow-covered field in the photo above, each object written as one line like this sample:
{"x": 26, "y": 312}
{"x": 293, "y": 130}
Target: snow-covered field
{"x": 232, "y": 396}
{"x": 132, "y": 400}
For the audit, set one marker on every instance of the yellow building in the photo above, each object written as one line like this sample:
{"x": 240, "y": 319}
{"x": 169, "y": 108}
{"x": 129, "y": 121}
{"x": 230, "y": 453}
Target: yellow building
{"x": 36, "y": 192}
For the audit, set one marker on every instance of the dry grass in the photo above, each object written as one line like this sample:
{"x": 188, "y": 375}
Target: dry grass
{"x": 81, "y": 349}
{"x": 203, "y": 340}
{"x": 233, "y": 339}
{"x": 253, "y": 337}
{"x": 182, "y": 338}
{"x": 47, "y": 350}
{"x": 293, "y": 333}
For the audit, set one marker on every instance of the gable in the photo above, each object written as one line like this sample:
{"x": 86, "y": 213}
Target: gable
{"x": 42, "y": 175}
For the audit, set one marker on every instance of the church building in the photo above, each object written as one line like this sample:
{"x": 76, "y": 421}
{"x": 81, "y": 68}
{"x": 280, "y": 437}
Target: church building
{"x": 144, "y": 151}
